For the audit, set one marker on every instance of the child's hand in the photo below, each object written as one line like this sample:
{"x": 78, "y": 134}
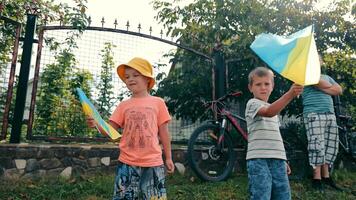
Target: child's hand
{"x": 170, "y": 166}
{"x": 90, "y": 122}
{"x": 289, "y": 171}
{"x": 296, "y": 89}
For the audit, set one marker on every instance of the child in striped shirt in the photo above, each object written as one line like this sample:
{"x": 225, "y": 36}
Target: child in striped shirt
{"x": 266, "y": 157}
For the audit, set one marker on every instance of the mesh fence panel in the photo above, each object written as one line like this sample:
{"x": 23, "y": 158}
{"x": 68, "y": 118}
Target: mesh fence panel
{"x": 88, "y": 56}
{"x": 9, "y": 35}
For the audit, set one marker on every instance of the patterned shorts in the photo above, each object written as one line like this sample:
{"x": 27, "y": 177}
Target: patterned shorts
{"x": 133, "y": 183}
{"x": 323, "y": 138}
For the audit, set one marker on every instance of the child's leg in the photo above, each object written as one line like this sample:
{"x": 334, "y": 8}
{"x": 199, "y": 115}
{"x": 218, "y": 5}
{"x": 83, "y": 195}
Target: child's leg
{"x": 331, "y": 136}
{"x": 317, "y": 172}
{"x": 126, "y": 183}
{"x": 152, "y": 183}
{"x": 259, "y": 179}
{"x": 331, "y": 150}
{"x": 315, "y": 128}
{"x": 325, "y": 171}
{"x": 280, "y": 182}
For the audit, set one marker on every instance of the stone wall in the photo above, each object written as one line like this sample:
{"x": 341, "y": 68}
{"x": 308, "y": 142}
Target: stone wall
{"x": 33, "y": 161}
{"x": 21, "y": 161}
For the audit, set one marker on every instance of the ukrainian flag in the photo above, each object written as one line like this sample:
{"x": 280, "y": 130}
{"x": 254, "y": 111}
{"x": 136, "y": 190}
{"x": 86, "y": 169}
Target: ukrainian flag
{"x": 295, "y": 57}
{"x": 90, "y": 110}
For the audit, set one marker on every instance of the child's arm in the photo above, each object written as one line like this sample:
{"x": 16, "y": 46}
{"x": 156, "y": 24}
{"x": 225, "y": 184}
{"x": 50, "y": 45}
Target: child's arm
{"x": 91, "y": 123}
{"x": 328, "y": 88}
{"x": 166, "y": 142}
{"x": 282, "y": 102}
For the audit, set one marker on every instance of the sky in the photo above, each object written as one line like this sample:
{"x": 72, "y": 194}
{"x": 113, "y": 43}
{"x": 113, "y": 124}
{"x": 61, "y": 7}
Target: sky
{"x": 88, "y": 54}
{"x": 135, "y": 11}
{"x": 139, "y": 12}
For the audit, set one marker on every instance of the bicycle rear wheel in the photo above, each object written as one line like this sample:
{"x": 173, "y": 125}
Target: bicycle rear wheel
{"x": 206, "y": 161}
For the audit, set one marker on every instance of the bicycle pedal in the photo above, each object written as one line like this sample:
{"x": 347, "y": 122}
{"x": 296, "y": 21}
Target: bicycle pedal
{"x": 204, "y": 156}
{"x": 212, "y": 172}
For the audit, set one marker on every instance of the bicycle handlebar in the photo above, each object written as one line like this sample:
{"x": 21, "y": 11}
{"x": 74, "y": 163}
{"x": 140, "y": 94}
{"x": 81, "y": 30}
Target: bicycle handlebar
{"x": 344, "y": 117}
{"x": 232, "y": 94}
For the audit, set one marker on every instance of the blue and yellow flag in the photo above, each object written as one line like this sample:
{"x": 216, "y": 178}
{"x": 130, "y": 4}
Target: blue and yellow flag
{"x": 90, "y": 111}
{"x": 295, "y": 57}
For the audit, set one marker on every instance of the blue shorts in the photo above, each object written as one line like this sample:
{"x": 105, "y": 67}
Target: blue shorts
{"x": 268, "y": 179}
{"x": 133, "y": 183}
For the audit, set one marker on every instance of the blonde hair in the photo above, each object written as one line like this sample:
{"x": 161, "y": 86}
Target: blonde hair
{"x": 260, "y": 72}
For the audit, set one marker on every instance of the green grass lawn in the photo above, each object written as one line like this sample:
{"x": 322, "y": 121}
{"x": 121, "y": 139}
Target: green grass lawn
{"x": 179, "y": 187}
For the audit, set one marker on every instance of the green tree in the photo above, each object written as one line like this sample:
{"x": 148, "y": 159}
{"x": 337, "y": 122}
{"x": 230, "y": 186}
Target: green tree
{"x": 232, "y": 26}
{"x": 340, "y": 65}
{"x": 74, "y": 114}
{"x": 53, "y": 87}
{"x": 46, "y": 11}
{"x": 49, "y": 106}
{"x": 105, "y": 99}
{"x": 16, "y": 10}
{"x": 58, "y": 112}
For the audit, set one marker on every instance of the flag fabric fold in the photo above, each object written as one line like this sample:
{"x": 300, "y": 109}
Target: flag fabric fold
{"x": 295, "y": 57}
{"x": 90, "y": 111}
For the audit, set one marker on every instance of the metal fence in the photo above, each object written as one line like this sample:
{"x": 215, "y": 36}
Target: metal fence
{"x": 11, "y": 31}
{"x": 126, "y": 44}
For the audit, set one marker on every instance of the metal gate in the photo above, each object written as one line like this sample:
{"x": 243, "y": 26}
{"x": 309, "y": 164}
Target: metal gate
{"x": 184, "y": 127}
{"x": 8, "y": 74}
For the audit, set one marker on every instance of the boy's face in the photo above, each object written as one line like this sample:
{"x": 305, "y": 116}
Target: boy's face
{"x": 135, "y": 81}
{"x": 261, "y": 87}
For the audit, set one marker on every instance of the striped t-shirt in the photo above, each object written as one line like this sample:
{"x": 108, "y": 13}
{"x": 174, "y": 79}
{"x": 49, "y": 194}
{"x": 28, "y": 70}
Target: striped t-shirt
{"x": 317, "y": 101}
{"x": 264, "y": 138}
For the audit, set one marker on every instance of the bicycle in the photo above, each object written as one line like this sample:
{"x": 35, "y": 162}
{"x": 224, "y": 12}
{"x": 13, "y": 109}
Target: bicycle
{"x": 347, "y": 148}
{"x": 211, "y": 152}
{"x": 347, "y": 138}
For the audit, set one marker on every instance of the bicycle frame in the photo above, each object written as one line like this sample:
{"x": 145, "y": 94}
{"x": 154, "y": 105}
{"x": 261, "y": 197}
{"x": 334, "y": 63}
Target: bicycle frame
{"x": 344, "y": 126}
{"x": 344, "y": 132}
{"x": 343, "y": 138}
{"x": 233, "y": 120}
{"x": 211, "y": 150}
{"x": 218, "y": 109}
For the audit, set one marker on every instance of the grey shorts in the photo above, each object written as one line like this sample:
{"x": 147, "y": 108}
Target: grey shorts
{"x": 132, "y": 182}
{"x": 323, "y": 138}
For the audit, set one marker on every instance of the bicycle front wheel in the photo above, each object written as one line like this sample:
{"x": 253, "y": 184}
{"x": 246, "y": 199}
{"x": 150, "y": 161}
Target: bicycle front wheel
{"x": 206, "y": 160}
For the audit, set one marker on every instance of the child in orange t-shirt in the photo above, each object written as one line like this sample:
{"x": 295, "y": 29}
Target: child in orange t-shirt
{"x": 144, "y": 119}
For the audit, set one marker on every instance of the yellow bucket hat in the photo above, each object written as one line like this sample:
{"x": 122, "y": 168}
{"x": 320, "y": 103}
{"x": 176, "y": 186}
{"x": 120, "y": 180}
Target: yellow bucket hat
{"x": 142, "y": 66}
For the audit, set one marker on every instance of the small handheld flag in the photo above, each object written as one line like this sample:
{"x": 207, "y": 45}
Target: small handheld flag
{"x": 90, "y": 110}
{"x": 295, "y": 57}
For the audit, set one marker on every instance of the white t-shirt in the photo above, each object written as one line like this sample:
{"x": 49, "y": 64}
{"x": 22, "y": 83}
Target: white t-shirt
{"x": 264, "y": 138}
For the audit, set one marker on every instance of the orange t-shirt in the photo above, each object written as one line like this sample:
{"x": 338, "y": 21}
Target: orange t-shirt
{"x": 140, "y": 119}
